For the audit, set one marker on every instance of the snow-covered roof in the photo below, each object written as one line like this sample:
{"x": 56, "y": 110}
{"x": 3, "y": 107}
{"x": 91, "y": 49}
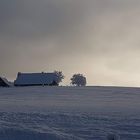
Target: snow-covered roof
{"x": 5, "y": 82}
{"x": 35, "y": 78}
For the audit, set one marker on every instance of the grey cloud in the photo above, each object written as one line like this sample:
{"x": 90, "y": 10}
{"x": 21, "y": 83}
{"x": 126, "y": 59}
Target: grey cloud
{"x": 40, "y": 35}
{"x": 30, "y": 19}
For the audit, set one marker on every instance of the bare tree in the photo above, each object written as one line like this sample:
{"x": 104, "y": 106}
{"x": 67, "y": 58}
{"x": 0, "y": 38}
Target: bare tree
{"x": 60, "y": 76}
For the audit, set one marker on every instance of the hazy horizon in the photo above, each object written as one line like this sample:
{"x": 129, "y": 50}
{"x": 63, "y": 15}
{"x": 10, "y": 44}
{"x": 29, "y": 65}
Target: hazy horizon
{"x": 98, "y": 38}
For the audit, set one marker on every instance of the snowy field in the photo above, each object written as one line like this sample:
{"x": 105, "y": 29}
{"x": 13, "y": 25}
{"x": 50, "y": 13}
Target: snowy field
{"x": 69, "y": 113}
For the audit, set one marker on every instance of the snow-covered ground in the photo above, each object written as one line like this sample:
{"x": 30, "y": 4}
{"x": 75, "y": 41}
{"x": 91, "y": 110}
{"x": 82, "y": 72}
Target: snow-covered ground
{"x": 69, "y": 113}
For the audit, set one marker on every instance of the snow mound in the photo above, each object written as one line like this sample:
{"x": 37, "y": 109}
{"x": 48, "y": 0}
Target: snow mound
{"x": 113, "y": 137}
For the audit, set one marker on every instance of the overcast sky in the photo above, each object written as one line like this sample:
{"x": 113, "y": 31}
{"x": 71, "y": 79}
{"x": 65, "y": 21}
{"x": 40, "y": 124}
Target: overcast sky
{"x": 99, "y": 38}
